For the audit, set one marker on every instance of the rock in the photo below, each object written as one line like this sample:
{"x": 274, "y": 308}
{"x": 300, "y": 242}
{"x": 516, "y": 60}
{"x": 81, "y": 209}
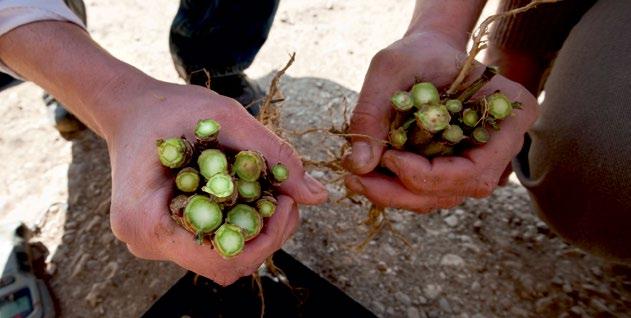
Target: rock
{"x": 598, "y": 305}
{"x": 382, "y": 267}
{"x": 557, "y": 280}
{"x": 79, "y": 265}
{"x": 403, "y": 298}
{"x": 451, "y": 220}
{"x": 444, "y": 304}
{"x": 519, "y": 312}
{"x": 451, "y": 260}
{"x": 567, "y": 288}
{"x": 576, "y": 310}
{"x": 422, "y": 300}
{"x": 432, "y": 291}
{"x": 542, "y": 304}
{"x": 379, "y": 307}
{"x": 596, "y": 271}
{"x": 475, "y": 286}
{"x": 413, "y": 312}
{"x": 94, "y": 296}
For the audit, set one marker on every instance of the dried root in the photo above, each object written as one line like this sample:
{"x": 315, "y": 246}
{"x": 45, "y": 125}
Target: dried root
{"x": 479, "y": 41}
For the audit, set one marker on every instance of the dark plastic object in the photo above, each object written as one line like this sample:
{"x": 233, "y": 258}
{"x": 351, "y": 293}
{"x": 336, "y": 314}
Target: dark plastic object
{"x": 312, "y": 296}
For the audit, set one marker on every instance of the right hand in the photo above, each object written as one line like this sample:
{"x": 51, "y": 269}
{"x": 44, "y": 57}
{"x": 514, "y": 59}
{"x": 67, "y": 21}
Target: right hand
{"x": 422, "y": 184}
{"x": 142, "y": 187}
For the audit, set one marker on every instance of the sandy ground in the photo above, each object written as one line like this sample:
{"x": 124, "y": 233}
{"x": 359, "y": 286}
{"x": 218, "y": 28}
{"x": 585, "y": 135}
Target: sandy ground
{"x": 486, "y": 258}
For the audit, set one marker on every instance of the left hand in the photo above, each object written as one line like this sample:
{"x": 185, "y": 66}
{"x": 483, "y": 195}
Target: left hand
{"x": 422, "y": 184}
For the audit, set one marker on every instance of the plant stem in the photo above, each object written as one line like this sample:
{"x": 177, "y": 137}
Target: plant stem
{"x": 202, "y": 214}
{"x": 248, "y": 191}
{"x": 248, "y": 165}
{"x": 211, "y": 162}
{"x": 174, "y": 152}
{"x": 247, "y": 218}
{"x": 266, "y": 206}
{"x": 229, "y": 240}
{"x": 187, "y": 180}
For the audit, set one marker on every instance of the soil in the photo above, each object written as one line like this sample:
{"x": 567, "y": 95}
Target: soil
{"x": 485, "y": 258}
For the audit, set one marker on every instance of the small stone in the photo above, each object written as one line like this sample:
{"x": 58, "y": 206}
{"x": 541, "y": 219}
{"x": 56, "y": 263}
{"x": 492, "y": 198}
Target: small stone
{"x": 596, "y": 271}
{"x": 519, "y": 312}
{"x": 432, "y": 291}
{"x": 444, "y": 304}
{"x": 79, "y": 265}
{"x": 403, "y": 298}
{"x": 598, "y": 305}
{"x": 451, "y": 220}
{"x": 576, "y": 310}
{"x": 557, "y": 280}
{"x": 542, "y": 304}
{"x": 475, "y": 286}
{"x": 459, "y": 211}
{"x": 382, "y": 267}
{"x": 567, "y": 288}
{"x": 451, "y": 260}
{"x": 379, "y": 307}
{"x": 422, "y": 300}
{"x": 413, "y": 312}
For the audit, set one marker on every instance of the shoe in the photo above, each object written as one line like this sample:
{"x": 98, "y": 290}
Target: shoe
{"x": 66, "y": 123}
{"x": 239, "y": 86}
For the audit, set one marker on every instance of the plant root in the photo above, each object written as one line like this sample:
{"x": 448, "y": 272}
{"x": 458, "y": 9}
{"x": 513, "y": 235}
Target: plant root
{"x": 479, "y": 41}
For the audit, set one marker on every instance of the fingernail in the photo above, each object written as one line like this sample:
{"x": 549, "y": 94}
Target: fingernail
{"x": 314, "y": 186}
{"x": 354, "y": 183}
{"x": 361, "y": 154}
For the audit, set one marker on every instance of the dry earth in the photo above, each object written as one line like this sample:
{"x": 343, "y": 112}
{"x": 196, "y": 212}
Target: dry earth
{"x": 485, "y": 258}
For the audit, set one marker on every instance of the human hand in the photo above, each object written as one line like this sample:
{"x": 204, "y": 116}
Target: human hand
{"x": 142, "y": 187}
{"x": 422, "y": 184}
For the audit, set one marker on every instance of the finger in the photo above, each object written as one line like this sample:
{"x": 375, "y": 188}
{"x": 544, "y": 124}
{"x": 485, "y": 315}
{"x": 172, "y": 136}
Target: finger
{"x": 180, "y": 247}
{"x": 443, "y": 176}
{"x": 371, "y": 116}
{"x": 389, "y": 192}
{"x": 242, "y": 131}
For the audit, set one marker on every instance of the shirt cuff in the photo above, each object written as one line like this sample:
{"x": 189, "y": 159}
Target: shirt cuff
{"x": 15, "y": 13}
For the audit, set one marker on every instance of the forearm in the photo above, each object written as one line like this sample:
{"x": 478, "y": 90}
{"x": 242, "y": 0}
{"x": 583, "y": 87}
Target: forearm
{"x": 453, "y": 18}
{"x": 66, "y": 62}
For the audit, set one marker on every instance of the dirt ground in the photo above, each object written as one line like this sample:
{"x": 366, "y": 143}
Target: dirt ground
{"x": 485, "y": 258}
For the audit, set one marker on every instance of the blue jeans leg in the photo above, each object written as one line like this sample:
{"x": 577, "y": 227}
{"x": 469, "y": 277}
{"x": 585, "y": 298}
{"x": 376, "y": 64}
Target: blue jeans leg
{"x": 221, "y": 36}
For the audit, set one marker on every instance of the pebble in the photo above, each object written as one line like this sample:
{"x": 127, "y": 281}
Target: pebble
{"x": 379, "y": 307}
{"x": 557, "y": 280}
{"x": 567, "y": 288}
{"x": 382, "y": 267}
{"x": 598, "y": 305}
{"x": 422, "y": 300}
{"x": 596, "y": 271}
{"x": 451, "y": 220}
{"x": 444, "y": 304}
{"x": 576, "y": 310}
{"x": 403, "y": 298}
{"x": 452, "y": 260}
{"x": 475, "y": 285}
{"x": 79, "y": 265}
{"x": 413, "y": 312}
{"x": 542, "y": 304}
{"x": 432, "y": 291}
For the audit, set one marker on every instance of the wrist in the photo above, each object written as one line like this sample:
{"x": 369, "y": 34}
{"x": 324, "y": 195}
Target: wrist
{"x": 454, "y": 20}
{"x": 114, "y": 99}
